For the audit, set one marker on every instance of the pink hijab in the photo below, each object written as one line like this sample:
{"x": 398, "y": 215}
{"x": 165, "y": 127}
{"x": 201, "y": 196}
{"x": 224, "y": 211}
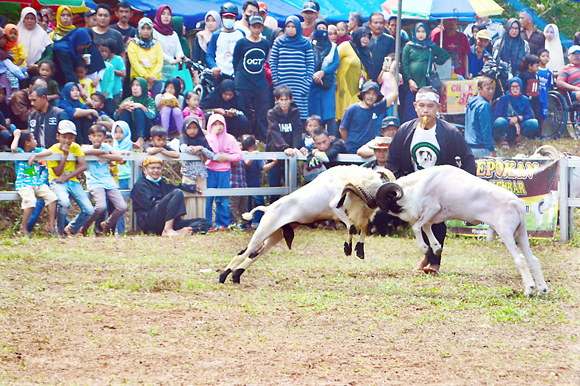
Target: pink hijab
{"x": 163, "y": 29}
{"x": 223, "y": 142}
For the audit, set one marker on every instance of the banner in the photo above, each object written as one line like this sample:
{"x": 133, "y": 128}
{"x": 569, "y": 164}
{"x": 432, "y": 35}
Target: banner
{"x": 455, "y": 95}
{"x": 534, "y": 181}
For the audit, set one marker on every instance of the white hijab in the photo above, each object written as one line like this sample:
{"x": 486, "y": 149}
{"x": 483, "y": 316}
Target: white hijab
{"x": 205, "y": 36}
{"x": 554, "y": 46}
{"x": 36, "y": 40}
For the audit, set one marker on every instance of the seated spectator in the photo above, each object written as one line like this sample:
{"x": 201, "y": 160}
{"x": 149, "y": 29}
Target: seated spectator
{"x": 10, "y": 74}
{"x": 15, "y": 47}
{"x": 324, "y": 154}
{"x": 64, "y": 182}
{"x": 193, "y": 141}
{"x": 479, "y": 118}
{"x": 64, "y": 23}
{"x": 380, "y": 148}
{"x": 146, "y": 56}
{"x": 513, "y": 117}
{"x": 67, "y": 53}
{"x": 44, "y": 119}
{"x": 229, "y": 103}
{"x": 101, "y": 184}
{"x": 138, "y": 111}
{"x": 360, "y": 122}
{"x": 78, "y": 112}
{"x": 29, "y": 182}
{"x": 106, "y": 77}
{"x": 159, "y": 206}
{"x": 169, "y": 103}
{"x": 228, "y": 150}
{"x": 569, "y": 76}
{"x": 86, "y": 84}
{"x": 46, "y": 70}
{"x": 389, "y": 127}
{"x": 123, "y": 144}
{"x": 34, "y": 38}
{"x": 192, "y": 101}
{"x": 159, "y": 144}
{"x": 512, "y": 47}
{"x": 456, "y": 44}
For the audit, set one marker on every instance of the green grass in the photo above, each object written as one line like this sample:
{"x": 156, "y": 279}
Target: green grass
{"x": 149, "y": 309}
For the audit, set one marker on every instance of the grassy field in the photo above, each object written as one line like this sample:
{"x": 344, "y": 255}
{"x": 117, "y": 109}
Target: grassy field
{"x": 149, "y": 310}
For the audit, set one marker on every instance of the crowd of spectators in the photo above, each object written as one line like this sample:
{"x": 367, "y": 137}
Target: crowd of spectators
{"x": 299, "y": 86}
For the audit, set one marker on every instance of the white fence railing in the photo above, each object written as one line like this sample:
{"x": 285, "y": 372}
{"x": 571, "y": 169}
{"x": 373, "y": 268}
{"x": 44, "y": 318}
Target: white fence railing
{"x": 567, "y": 203}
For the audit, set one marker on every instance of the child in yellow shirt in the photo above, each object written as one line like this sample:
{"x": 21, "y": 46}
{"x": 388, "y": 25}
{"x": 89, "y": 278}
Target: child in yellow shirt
{"x": 17, "y": 48}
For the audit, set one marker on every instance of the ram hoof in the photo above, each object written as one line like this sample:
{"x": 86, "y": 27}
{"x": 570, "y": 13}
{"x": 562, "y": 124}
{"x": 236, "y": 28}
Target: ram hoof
{"x": 360, "y": 250}
{"x": 224, "y": 275}
{"x": 347, "y": 248}
{"x": 236, "y": 275}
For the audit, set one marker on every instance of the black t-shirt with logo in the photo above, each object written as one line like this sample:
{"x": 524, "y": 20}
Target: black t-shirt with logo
{"x": 249, "y": 60}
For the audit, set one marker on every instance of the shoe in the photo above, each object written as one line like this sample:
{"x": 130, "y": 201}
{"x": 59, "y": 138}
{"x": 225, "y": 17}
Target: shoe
{"x": 222, "y": 228}
{"x": 211, "y": 229}
{"x": 67, "y": 231}
{"x": 504, "y": 144}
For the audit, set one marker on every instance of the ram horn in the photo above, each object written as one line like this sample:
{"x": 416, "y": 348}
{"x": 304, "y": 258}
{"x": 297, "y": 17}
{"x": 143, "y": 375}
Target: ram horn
{"x": 361, "y": 192}
{"x": 387, "y": 197}
{"x": 387, "y": 175}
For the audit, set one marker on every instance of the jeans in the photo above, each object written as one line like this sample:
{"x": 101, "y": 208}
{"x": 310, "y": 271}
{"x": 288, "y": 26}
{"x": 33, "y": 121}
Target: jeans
{"x": 253, "y": 202}
{"x": 480, "y": 152}
{"x": 259, "y": 101}
{"x": 168, "y": 115}
{"x": 275, "y": 178}
{"x": 123, "y": 185}
{"x": 83, "y": 125}
{"x": 138, "y": 122}
{"x": 503, "y": 130}
{"x": 75, "y": 190}
{"x": 35, "y": 215}
{"x": 101, "y": 196}
{"x": 222, "y": 204}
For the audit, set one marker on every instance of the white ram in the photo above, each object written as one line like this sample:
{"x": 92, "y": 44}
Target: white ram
{"x": 441, "y": 193}
{"x": 325, "y": 198}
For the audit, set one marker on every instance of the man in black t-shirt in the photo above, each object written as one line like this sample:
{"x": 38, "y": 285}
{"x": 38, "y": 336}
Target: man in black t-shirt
{"x": 124, "y": 13}
{"x": 102, "y": 31}
{"x": 250, "y": 56}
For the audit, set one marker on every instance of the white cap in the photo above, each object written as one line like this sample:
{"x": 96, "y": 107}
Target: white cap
{"x": 65, "y": 127}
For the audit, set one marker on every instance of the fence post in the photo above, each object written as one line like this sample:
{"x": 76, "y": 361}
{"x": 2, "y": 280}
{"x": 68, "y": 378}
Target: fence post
{"x": 563, "y": 200}
{"x": 293, "y": 173}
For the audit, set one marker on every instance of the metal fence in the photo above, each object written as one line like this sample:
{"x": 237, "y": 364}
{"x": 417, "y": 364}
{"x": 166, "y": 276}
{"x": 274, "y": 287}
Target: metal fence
{"x": 567, "y": 203}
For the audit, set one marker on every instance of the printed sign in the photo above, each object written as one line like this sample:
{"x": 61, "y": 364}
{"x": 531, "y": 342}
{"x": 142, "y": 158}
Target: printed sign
{"x": 455, "y": 95}
{"x": 534, "y": 181}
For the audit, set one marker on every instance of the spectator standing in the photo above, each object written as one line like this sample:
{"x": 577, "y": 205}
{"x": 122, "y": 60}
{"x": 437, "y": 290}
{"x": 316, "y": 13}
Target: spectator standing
{"x": 67, "y": 54}
{"x": 381, "y": 44}
{"x": 310, "y": 12}
{"x": 531, "y": 33}
{"x": 124, "y": 13}
{"x": 34, "y": 38}
{"x": 220, "y": 51}
{"x": 321, "y": 100}
{"x": 546, "y": 77}
{"x": 554, "y": 47}
{"x": 213, "y": 23}
{"x": 495, "y": 29}
{"x": 531, "y": 86}
{"x": 354, "y": 67}
{"x": 249, "y": 8}
{"x": 512, "y": 47}
{"x": 479, "y": 53}
{"x": 103, "y": 31}
{"x": 269, "y": 22}
{"x": 162, "y": 32}
{"x": 456, "y": 44}
{"x": 179, "y": 28}
{"x": 146, "y": 56}
{"x": 355, "y": 20}
{"x": 64, "y": 23}
{"x": 333, "y": 34}
{"x": 123, "y": 144}
{"x": 90, "y": 18}
{"x": 250, "y": 56}
{"x": 292, "y": 63}
{"x": 479, "y": 118}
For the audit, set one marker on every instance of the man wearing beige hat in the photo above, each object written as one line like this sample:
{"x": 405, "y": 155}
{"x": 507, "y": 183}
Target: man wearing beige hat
{"x": 480, "y": 53}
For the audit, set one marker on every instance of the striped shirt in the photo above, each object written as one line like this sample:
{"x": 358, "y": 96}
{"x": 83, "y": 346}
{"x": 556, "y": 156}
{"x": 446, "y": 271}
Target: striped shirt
{"x": 570, "y": 74}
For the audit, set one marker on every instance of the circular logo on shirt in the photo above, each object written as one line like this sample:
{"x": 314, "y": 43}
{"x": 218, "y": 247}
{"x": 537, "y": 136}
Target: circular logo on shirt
{"x": 254, "y": 61}
{"x": 425, "y": 155}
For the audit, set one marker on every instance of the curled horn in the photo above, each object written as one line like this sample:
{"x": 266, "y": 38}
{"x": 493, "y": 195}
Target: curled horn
{"x": 361, "y": 192}
{"x": 387, "y": 195}
{"x": 387, "y": 175}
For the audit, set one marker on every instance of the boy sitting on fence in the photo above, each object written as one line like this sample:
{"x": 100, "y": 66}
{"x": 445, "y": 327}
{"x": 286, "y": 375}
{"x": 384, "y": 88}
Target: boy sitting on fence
{"x": 29, "y": 182}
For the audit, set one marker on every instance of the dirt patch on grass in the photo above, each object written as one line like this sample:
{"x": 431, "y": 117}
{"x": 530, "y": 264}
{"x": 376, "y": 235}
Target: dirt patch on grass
{"x": 149, "y": 310}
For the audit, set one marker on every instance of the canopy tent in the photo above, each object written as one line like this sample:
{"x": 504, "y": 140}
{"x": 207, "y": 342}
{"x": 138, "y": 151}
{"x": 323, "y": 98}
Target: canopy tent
{"x": 441, "y": 9}
{"x": 339, "y": 10}
{"x": 195, "y": 11}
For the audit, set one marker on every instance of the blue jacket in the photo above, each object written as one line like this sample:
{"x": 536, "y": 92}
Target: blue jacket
{"x": 478, "y": 124}
{"x": 502, "y": 108}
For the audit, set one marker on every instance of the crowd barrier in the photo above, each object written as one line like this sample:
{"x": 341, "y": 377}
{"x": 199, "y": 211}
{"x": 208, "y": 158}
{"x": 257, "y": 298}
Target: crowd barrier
{"x": 566, "y": 203}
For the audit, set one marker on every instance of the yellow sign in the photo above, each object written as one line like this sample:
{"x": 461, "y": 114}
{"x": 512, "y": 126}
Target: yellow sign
{"x": 456, "y": 93}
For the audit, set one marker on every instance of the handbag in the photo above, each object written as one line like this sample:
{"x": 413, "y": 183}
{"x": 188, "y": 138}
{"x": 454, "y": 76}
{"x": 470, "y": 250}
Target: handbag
{"x": 327, "y": 82}
{"x": 181, "y": 71}
{"x": 432, "y": 76}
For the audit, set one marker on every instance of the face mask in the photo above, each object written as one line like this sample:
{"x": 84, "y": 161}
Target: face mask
{"x": 157, "y": 181}
{"x": 247, "y": 19}
{"x": 228, "y": 23}
{"x": 320, "y": 34}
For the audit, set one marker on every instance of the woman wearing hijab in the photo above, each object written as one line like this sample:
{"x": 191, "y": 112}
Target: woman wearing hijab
{"x": 213, "y": 23}
{"x": 77, "y": 111}
{"x": 179, "y": 28}
{"x": 162, "y": 32}
{"x": 226, "y": 101}
{"x": 554, "y": 47}
{"x": 138, "y": 110}
{"x": 415, "y": 60}
{"x": 292, "y": 63}
{"x": 146, "y": 55}
{"x": 170, "y": 115}
{"x": 64, "y": 23}
{"x": 67, "y": 52}
{"x": 513, "y": 116}
{"x": 34, "y": 38}
{"x": 321, "y": 100}
{"x": 512, "y": 47}
{"x": 354, "y": 67}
